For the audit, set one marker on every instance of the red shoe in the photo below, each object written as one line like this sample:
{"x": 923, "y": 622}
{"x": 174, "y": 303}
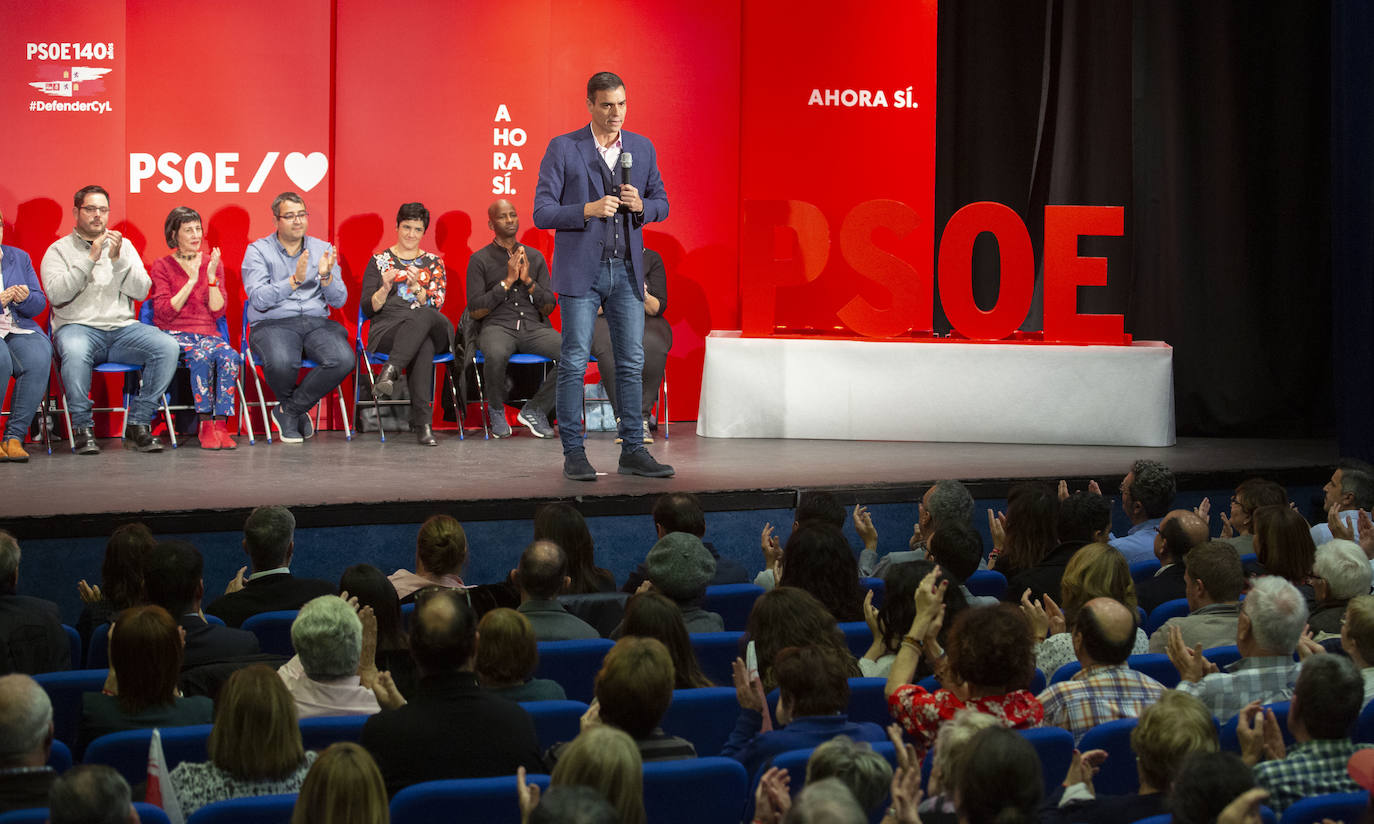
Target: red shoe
{"x": 222, "y": 432}
{"x": 207, "y": 435}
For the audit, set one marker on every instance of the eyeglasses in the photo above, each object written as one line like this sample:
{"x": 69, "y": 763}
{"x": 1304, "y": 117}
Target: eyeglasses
{"x": 293, "y": 216}
{"x": 96, "y": 210}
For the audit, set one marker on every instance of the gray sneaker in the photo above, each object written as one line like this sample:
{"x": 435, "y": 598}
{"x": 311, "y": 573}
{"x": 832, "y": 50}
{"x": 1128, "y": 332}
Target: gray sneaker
{"x": 499, "y": 427}
{"x": 537, "y": 422}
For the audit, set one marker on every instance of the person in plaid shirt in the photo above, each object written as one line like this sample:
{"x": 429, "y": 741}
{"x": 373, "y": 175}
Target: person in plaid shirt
{"x": 1325, "y": 705}
{"x": 1105, "y": 689}
{"x": 1268, "y": 631}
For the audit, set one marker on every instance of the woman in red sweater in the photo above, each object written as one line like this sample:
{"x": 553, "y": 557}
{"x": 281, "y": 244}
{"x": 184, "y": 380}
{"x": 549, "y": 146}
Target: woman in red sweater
{"x": 188, "y": 301}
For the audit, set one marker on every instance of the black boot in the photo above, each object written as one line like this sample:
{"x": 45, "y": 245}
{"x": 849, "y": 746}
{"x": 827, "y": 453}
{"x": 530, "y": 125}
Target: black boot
{"x": 84, "y": 442}
{"x": 424, "y": 435}
{"x": 140, "y": 437}
{"x": 386, "y": 381}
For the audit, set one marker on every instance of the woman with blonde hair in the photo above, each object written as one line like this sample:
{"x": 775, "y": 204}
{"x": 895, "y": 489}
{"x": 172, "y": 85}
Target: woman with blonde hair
{"x": 607, "y": 760}
{"x": 1095, "y": 571}
{"x": 344, "y": 787}
{"x": 508, "y": 656}
{"x": 441, "y": 553}
{"x": 255, "y": 746}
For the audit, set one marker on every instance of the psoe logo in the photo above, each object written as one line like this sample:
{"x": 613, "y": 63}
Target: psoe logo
{"x": 201, "y": 171}
{"x": 78, "y": 80}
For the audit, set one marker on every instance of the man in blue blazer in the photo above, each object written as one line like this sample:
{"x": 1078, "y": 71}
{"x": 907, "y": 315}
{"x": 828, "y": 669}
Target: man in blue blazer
{"x": 598, "y": 186}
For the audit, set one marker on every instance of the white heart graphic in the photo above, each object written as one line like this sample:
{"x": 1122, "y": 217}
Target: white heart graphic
{"x": 306, "y": 171}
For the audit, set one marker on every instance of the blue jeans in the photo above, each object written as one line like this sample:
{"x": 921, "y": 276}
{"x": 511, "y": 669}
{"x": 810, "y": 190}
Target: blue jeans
{"x": 28, "y": 358}
{"x": 82, "y": 347}
{"x": 614, "y": 293}
{"x": 279, "y": 344}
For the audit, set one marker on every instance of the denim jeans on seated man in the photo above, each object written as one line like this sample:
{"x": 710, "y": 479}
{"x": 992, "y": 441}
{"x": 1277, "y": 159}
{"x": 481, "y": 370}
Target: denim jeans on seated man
{"x": 28, "y": 358}
{"x": 614, "y": 292}
{"x": 279, "y": 345}
{"x": 81, "y": 347}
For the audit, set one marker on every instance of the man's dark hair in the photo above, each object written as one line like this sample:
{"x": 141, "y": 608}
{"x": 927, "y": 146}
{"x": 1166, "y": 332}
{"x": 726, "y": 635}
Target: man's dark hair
{"x": 1153, "y": 487}
{"x": 267, "y": 536}
{"x": 1176, "y": 538}
{"x": 815, "y": 680}
{"x": 443, "y": 631}
{"x": 80, "y": 196}
{"x": 173, "y": 570}
{"x": 543, "y": 566}
{"x": 1329, "y": 694}
{"x": 1217, "y": 565}
{"x": 1098, "y": 644}
{"x": 1205, "y": 783}
{"x": 603, "y": 82}
{"x": 412, "y": 211}
{"x": 680, "y": 512}
{"x": 285, "y": 197}
{"x": 819, "y": 506}
{"x": 957, "y": 548}
{"x": 573, "y": 804}
{"x": 89, "y": 794}
{"x": 1081, "y": 514}
{"x": 1257, "y": 492}
{"x": 175, "y": 218}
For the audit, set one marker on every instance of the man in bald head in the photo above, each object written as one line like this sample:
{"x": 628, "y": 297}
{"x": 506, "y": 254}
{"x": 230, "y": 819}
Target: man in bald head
{"x": 1106, "y": 688}
{"x": 510, "y": 296}
{"x": 1180, "y": 531}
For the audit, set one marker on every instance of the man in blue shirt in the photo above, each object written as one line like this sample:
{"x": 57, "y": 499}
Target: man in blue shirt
{"x": 1147, "y": 492}
{"x": 292, "y": 280}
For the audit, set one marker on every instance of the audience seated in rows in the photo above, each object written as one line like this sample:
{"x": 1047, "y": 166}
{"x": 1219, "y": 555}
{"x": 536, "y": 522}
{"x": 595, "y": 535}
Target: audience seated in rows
{"x": 344, "y": 786}
{"x": 255, "y": 746}
{"x": 1270, "y": 625}
{"x": 1147, "y": 492}
{"x": 1340, "y": 572}
{"x": 91, "y": 794}
{"x": 1179, "y": 532}
{"x": 370, "y": 587}
{"x": 441, "y": 553}
{"x": 791, "y": 617}
{"x": 417, "y": 741}
{"x": 269, "y": 540}
{"x": 507, "y": 657}
{"x": 26, "y": 734}
{"x": 1025, "y": 534}
{"x": 541, "y": 576}
{"x": 141, "y": 689}
{"x": 1213, "y": 580}
{"x": 1096, "y": 571}
{"x": 334, "y": 671}
{"x": 680, "y": 567}
{"x": 681, "y": 512}
{"x": 1083, "y": 518}
{"x": 811, "y": 506}
{"x": 172, "y": 580}
{"x": 889, "y": 623}
{"x": 121, "y": 579}
{"x": 651, "y": 615}
{"x": 947, "y": 503}
{"x": 564, "y": 525}
{"x": 31, "y": 636}
{"x": 1105, "y": 689}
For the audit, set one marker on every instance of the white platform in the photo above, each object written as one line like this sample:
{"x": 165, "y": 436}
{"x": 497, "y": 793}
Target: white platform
{"x": 937, "y": 391}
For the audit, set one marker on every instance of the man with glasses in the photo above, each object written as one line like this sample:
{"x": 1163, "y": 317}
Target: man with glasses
{"x": 292, "y": 280}
{"x": 93, "y": 278}
{"x": 1147, "y": 491}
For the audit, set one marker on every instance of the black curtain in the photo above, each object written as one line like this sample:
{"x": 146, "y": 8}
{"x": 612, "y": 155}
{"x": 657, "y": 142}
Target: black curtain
{"x": 1211, "y": 123}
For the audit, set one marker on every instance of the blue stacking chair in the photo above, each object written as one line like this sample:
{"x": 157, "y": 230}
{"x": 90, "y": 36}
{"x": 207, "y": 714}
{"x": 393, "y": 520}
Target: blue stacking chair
{"x": 259, "y": 809}
{"x": 249, "y": 363}
{"x": 716, "y": 653}
{"x": 1144, "y": 570}
{"x": 1055, "y": 748}
{"x": 573, "y": 664}
{"x": 867, "y": 702}
{"x": 59, "y": 757}
{"x": 74, "y": 642}
{"x": 1066, "y": 672}
{"x": 1223, "y": 657}
{"x": 367, "y": 360}
{"x": 1364, "y": 728}
{"x": 705, "y": 716}
{"x": 318, "y": 733}
{"x": 555, "y": 721}
{"x": 1117, "y": 776}
{"x": 1227, "y": 735}
{"x": 857, "y": 636}
{"x": 709, "y": 790}
{"x": 147, "y": 813}
{"x": 878, "y": 587}
{"x": 98, "y": 652}
{"x": 274, "y": 631}
{"x": 733, "y": 602}
{"x": 489, "y": 800}
{"x": 1266, "y": 816}
{"x": 65, "y": 689}
{"x": 1176, "y": 608}
{"x": 988, "y": 583}
{"x": 145, "y": 315}
{"x": 1348, "y": 807}
{"x": 127, "y": 751}
{"x": 1156, "y": 665}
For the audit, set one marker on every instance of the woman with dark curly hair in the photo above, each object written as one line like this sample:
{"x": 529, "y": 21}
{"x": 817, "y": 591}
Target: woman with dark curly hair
{"x": 565, "y": 526}
{"x": 1026, "y": 533}
{"x": 791, "y": 617}
{"x": 889, "y": 622}
{"x": 988, "y": 667}
{"x": 121, "y": 579}
{"x": 818, "y": 559}
{"x": 651, "y": 615}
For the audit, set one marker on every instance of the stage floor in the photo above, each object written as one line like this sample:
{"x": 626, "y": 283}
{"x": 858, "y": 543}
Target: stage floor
{"x": 330, "y": 481}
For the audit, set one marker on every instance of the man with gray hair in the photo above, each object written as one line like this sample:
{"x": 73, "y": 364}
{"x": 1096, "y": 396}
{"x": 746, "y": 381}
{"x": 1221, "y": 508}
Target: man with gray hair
{"x": 91, "y": 794}
{"x": 25, "y": 739}
{"x": 1340, "y": 572}
{"x": 946, "y": 502}
{"x": 31, "y": 636}
{"x": 1268, "y": 630}
{"x": 334, "y": 671}
{"x": 828, "y": 801}
{"x": 1147, "y": 492}
{"x": 269, "y": 539}
{"x": 1350, "y": 489}
{"x": 854, "y": 763}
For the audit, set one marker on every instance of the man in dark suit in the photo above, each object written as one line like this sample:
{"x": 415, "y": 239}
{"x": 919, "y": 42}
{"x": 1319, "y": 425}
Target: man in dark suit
{"x": 1180, "y": 531}
{"x": 269, "y": 539}
{"x": 31, "y": 636}
{"x": 172, "y": 580}
{"x": 451, "y": 728}
{"x": 598, "y": 186}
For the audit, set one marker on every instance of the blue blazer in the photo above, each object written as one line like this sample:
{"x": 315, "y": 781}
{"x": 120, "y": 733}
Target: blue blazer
{"x": 18, "y": 269}
{"x": 569, "y": 178}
